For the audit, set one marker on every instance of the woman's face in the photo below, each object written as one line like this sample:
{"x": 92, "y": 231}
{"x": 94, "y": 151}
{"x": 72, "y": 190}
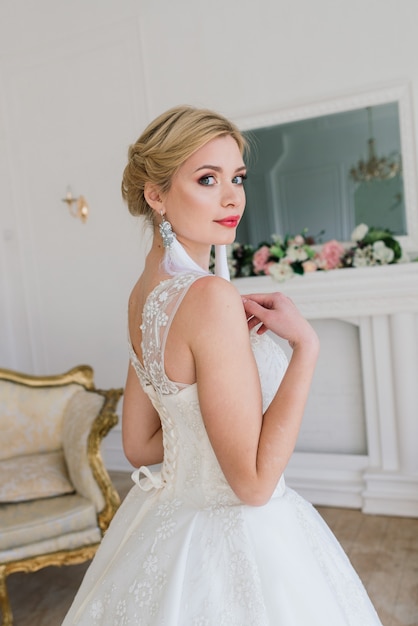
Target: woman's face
{"x": 206, "y": 199}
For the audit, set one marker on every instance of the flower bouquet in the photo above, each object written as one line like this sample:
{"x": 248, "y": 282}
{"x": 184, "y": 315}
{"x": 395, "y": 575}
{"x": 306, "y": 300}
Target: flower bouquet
{"x": 371, "y": 246}
{"x": 284, "y": 257}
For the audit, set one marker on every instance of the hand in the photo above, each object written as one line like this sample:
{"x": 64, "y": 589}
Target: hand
{"x": 278, "y": 313}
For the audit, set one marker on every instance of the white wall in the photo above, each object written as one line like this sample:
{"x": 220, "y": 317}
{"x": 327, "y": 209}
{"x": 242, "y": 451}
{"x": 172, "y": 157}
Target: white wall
{"x": 79, "y": 81}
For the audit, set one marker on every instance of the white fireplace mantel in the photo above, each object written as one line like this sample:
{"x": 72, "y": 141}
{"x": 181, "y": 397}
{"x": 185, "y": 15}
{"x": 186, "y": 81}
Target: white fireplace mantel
{"x": 382, "y": 303}
{"x": 365, "y": 291}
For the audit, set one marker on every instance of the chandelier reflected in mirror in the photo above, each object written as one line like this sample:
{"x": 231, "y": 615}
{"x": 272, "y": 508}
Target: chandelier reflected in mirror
{"x": 376, "y": 168}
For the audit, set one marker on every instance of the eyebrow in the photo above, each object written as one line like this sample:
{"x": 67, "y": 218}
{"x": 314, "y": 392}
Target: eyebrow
{"x": 216, "y": 168}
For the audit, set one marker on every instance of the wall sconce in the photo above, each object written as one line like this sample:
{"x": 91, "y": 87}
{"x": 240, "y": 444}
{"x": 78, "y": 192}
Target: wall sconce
{"x": 80, "y": 208}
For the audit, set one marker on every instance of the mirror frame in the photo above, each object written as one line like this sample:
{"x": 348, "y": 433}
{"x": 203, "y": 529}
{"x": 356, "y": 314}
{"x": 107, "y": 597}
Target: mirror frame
{"x": 399, "y": 93}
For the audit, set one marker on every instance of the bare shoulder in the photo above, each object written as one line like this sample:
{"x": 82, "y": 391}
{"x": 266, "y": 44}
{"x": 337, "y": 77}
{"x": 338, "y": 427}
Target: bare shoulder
{"x": 214, "y": 291}
{"x": 213, "y": 300}
{"x": 212, "y": 310}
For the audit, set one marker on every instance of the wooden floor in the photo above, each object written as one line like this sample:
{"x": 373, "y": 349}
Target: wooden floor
{"x": 383, "y": 550}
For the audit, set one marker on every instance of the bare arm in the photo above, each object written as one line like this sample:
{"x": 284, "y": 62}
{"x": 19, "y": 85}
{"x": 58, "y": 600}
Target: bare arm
{"x": 253, "y": 449}
{"x": 141, "y": 427}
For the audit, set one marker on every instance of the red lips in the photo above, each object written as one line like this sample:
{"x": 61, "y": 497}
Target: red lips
{"x": 231, "y": 221}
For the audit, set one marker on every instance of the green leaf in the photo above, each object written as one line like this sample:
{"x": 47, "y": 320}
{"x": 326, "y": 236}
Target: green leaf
{"x": 390, "y": 242}
{"x": 276, "y": 252}
{"x": 309, "y": 251}
{"x": 298, "y": 267}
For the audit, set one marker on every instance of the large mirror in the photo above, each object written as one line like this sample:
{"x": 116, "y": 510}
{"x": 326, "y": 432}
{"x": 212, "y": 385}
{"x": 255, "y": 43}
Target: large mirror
{"x": 300, "y": 164}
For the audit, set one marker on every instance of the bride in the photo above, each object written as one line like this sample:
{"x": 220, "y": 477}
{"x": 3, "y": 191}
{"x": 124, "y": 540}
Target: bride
{"x": 215, "y": 538}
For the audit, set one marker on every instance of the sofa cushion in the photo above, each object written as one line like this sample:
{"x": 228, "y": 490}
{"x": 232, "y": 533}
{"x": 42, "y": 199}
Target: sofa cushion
{"x": 26, "y": 523}
{"x": 68, "y": 542}
{"x": 31, "y": 417}
{"x": 34, "y": 476}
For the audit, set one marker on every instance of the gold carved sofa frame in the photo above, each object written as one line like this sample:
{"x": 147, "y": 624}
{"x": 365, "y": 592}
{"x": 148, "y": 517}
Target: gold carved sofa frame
{"x": 72, "y": 417}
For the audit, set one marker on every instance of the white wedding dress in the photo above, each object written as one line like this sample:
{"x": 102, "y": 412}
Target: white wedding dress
{"x": 182, "y": 550}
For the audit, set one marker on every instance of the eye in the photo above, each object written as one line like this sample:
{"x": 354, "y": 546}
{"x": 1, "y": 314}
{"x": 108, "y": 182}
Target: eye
{"x": 207, "y": 180}
{"x": 239, "y": 179}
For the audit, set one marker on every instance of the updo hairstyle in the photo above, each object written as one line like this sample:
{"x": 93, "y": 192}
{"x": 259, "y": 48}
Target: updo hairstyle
{"x": 164, "y": 145}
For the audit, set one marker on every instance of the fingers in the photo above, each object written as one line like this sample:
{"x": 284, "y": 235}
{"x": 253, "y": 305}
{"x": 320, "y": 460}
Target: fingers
{"x": 256, "y": 315}
{"x": 254, "y": 310}
{"x": 259, "y": 304}
{"x": 264, "y": 299}
{"x": 252, "y": 320}
{"x": 268, "y": 300}
{"x": 277, "y": 313}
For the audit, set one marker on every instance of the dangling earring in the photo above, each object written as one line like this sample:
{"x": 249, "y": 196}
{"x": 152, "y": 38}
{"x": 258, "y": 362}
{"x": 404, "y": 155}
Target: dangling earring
{"x": 166, "y": 232}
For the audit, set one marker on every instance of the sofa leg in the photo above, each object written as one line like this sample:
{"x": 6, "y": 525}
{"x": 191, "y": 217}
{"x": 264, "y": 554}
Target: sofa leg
{"x": 6, "y": 609}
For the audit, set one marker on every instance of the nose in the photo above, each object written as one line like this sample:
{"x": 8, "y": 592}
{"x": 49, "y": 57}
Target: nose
{"x": 232, "y": 195}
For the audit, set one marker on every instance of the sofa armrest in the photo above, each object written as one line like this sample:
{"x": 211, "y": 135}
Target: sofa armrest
{"x": 79, "y": 416}
{"x": 88, "y": 417}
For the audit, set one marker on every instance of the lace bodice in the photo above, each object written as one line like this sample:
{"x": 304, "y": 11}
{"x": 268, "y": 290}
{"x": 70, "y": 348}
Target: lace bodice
{"x": 177, "y": 403}
{"x": 159, "y": 311}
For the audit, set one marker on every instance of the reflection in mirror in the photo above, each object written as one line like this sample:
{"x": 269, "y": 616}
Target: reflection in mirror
{"x": 299, "y": 176}
{"x": 380, "y": 203}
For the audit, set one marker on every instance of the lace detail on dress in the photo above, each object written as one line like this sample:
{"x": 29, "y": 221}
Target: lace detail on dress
{"x": 159, "y": 310}
{"x": 137, "y": 365}
{"x": 344, "y": 582}
{"x": 211, "y": 539}
{"x": 178, "y": 406}
{"x": 271, "y": 362}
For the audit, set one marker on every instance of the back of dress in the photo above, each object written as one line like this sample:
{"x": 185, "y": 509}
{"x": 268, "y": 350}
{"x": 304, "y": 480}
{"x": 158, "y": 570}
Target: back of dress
{"x": 190, "y": 467}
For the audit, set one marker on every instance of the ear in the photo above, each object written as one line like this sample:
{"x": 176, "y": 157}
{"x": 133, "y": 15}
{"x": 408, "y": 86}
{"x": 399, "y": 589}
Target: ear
{"x": 152, "y": 195}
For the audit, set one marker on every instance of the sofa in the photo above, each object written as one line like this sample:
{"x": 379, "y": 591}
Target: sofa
{"x": 56, "y": 497}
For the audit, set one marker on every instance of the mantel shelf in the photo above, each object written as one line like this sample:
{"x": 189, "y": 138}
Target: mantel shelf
{"x": 347, "y": 292}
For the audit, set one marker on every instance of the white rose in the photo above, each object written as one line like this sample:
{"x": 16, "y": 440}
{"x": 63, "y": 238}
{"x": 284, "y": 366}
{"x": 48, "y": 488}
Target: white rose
{"x": 359, "y": 232}
{"x": 362, "y": 257}
{"x": 280, "y": 271}
{"x": 296, "y": 253}
{"x": 382, "y": 253}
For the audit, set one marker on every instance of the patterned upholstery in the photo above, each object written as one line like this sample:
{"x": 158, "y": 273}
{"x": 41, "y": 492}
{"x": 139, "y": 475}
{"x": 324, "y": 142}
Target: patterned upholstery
{"x": 56, "y": 498}
{"x": 50, "y": 521}
{"x": 34, "y": 476}
{"x": 31, "y": 418}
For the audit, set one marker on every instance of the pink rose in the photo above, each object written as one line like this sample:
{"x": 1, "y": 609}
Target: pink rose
{"x": 330, "y": 254}
{"x": 260, "y": 259}
{"x": 295, "y": 241}
{"x": 309, "y": 266}
{"x": 298, "y": 240}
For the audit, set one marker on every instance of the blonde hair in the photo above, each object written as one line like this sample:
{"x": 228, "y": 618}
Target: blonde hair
{"x": 164, "y": 145}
